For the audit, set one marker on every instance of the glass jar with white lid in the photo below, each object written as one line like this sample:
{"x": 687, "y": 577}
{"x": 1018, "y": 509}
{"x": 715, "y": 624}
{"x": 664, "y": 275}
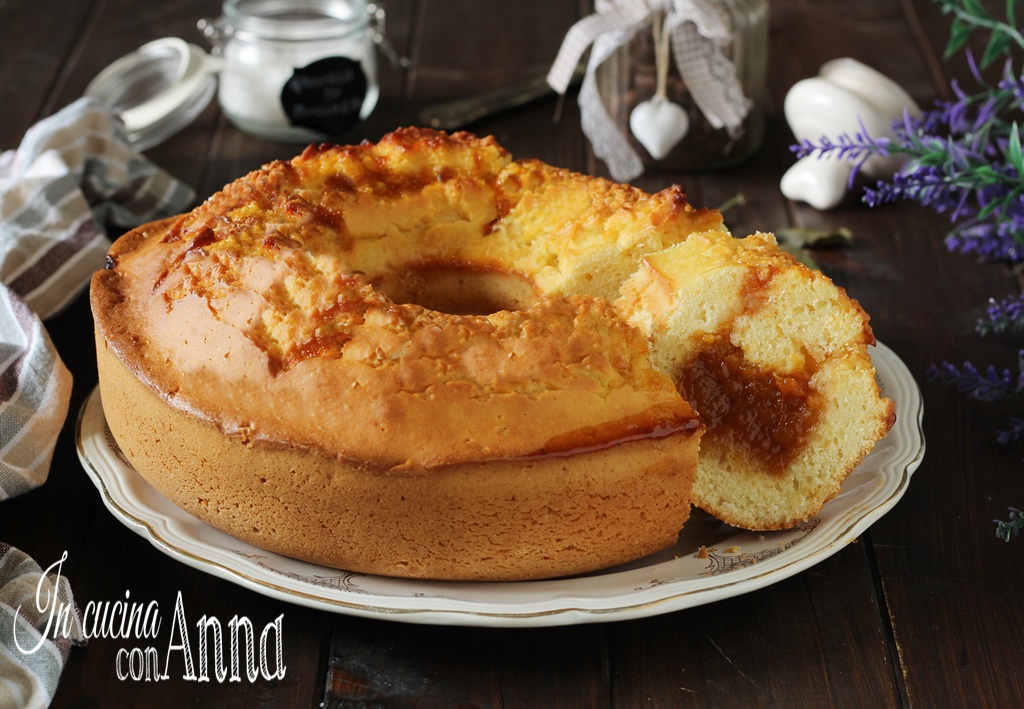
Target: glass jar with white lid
{"x": 296, "y": 70}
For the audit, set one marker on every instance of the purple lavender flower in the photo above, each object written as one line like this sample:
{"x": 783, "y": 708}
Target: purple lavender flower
{"x": 1014, "y": 433}
{"x": 845, "y": 146}
{"x": 987, "y": 242}
{"x": 1012, "y": 83}
{"x": 990, "y": 385}
{"x": 964, "y": 160}
{"x": 1010, "y": 310}
{"x": 983, "y": 176}
{"x": 1006, "y": 315}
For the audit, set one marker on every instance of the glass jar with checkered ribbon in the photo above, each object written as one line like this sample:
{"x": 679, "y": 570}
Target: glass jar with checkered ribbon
{"x": 673, "y": 84}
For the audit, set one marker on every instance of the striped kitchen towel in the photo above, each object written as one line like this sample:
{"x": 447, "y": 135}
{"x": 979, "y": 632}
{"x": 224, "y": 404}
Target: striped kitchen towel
{"x": 38, "y": 625}
{"x": 74, "y": 175}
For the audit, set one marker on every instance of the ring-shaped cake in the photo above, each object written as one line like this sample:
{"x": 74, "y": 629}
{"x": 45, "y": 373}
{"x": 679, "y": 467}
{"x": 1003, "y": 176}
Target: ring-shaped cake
{"x": 401, "y": 359}
{"x": 422, "y": 358}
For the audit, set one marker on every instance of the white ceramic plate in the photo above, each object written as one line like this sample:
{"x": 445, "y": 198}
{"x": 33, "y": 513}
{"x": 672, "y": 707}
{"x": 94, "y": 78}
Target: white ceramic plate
{"x": 735, "y": 561}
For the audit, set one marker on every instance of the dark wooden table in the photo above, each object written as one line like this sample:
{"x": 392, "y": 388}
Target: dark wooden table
{"x": 926, "y": 610}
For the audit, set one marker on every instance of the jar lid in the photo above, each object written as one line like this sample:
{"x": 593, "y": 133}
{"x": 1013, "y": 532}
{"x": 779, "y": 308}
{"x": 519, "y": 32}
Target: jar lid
{"x": 158, "y": 89}
{"x": 295, "y": 20}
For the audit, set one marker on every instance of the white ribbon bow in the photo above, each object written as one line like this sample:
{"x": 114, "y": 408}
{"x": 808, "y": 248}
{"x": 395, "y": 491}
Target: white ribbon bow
{"x": 698, "y": 35}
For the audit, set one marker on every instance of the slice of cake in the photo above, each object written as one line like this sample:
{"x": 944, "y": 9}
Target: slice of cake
{"x": 774, "y": 357}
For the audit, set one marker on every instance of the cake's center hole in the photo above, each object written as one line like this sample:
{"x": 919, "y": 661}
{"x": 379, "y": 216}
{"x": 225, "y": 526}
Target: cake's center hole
{"x": 458, "y": 289}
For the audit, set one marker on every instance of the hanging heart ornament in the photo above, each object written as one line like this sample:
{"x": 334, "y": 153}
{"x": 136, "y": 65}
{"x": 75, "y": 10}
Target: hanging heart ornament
{"x": 659, "y": 125}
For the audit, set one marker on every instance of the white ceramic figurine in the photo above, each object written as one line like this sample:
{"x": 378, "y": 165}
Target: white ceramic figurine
{"x": 846, "y": 97}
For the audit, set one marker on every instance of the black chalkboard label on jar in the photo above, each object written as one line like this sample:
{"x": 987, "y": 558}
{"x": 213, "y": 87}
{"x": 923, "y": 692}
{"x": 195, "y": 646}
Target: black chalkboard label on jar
{"x": 325, "y": 96}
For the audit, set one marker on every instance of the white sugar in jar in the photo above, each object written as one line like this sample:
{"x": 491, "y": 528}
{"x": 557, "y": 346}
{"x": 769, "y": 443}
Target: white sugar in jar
{"x": 296, "y": 70}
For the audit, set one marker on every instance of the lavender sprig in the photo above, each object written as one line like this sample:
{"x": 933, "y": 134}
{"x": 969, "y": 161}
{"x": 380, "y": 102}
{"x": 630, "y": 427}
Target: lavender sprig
{"x": 1002, "y": 316}
{"x": 971, "y": 15}
{"x": 858, "y": 148}
{"x": 987, "y": 241}
{"x": 963, "y": 158}
{"x": 976, "y": 176}
{"x": 992, "y": 209}
{"x": 1004, "y": 530}
{"x": 987, "y": 385}
{"x": 1014, "y": 433}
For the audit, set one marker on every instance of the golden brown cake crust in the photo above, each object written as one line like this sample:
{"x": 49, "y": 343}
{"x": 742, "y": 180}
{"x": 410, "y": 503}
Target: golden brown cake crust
{"x": 503, "y": 520}
{"x": 263, "y": 324}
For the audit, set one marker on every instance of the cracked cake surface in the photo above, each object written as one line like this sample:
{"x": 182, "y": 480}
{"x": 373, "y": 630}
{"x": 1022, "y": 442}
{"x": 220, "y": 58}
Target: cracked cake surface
{"x": 264, "y": 314}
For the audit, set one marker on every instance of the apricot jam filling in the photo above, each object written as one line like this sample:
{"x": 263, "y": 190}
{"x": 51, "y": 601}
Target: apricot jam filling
{"x": 763, "y": 414}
